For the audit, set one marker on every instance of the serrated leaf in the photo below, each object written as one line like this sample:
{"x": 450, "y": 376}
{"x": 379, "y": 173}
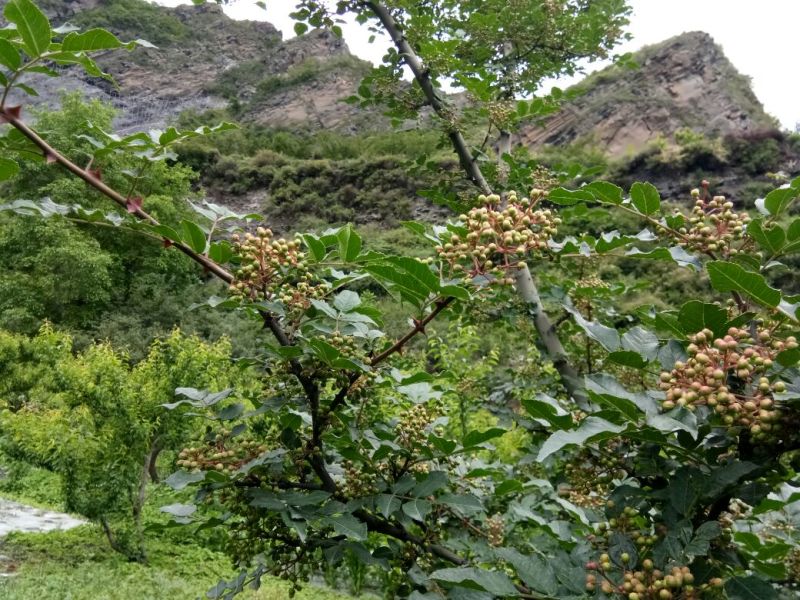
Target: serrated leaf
{"x": 779, "y": 200}
{"x": 179, "y": 510}
{"x": 348, "y": 526}
{"x": 465, "y": 504}
{"x": 645, "y": 197}
{"x": 315, "y": 246}
{"x": 547, "y": 408}
{"x": 535, "y": 571}
{"x": 473, "y": 438}
{"x": 605, "y": 191}
{"x": 640, "y": 340}
{"x": 417, "y": 509}
{"x": 349, "y": 244}
{"x": 9, "y": 55}
{"x": 771, "y": 239}
{"x": 494, "y": 582}
{"x": 93, "y": 39}
{"x": 180, "y": 479}
{"x": 566, "y": 197}
{"x": 32, "y": 25}
{"x": 750, "y": 587}
{"x": 591, "y": 429}
{"x": 388, "y": 504}
{"x": 8, "y": 168}
{"x": 193, "y": 236}
{"x": 694, "y": 316}
{"x": 346, "y": 300}
{"x": 729, "y": 277}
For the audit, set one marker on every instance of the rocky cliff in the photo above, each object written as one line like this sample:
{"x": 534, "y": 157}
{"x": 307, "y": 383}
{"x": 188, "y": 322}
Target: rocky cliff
{"x": 206, "y": 60}
{"x": 683, "y": 82}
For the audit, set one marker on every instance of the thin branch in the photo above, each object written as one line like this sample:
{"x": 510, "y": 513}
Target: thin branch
{"x": 91, "y": 179}
{"x": 422, "y": 75}
{"x": 419, "y": 327}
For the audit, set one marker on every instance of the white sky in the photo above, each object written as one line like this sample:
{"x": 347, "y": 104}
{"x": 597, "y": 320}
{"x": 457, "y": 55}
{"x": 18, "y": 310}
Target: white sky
{"x": 758, "y": 36}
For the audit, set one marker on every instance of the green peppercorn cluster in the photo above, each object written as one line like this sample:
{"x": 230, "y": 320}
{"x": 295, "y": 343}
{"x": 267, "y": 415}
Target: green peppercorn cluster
{"x": 498, "y": 238}
{"x": 411, "y": 430}
{"x": 223, "y": 454}
{"x": 358, "y": 482}
{"x": 737, "y": 509}
{"x": 588, "y": 475}
{"x": 713, "y": 225}
{"x": 639, "y": 578}
{"x": 263, "y": 535}
{"x": 495, "y": 530}
{"x": 273, "y": 270}
{"x": 793, "y": 566}
{"x": 727, "y": 374}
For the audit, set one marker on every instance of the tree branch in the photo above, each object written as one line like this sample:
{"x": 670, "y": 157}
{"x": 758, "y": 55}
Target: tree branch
{"x": 547, "y": 332}
{"x": 553, "y": 347}
{"x": 419, "y": 327}
{"x": 422, "y": 75}
{"x": 51, "y": 154}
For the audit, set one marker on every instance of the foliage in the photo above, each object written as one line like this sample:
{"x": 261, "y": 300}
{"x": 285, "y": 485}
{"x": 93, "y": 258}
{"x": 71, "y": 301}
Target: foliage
{"x": 95, "y": 421}
{"x": 129, "y": 18}
{"x": 658, "y": 448}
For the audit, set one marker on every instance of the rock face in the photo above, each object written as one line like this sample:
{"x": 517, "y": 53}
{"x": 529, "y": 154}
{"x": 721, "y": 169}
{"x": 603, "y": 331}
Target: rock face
{"x": 205, "y": 60}
{"x": 683, "y": 82}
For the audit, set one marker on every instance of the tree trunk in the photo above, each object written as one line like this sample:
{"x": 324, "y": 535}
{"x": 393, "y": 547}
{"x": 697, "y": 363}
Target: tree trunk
{"x": 547, "y": 333}
{"x": 152, "y": 460}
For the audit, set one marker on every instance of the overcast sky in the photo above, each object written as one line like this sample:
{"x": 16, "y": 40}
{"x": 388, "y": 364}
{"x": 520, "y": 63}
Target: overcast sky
{"x": 758, "y": 36}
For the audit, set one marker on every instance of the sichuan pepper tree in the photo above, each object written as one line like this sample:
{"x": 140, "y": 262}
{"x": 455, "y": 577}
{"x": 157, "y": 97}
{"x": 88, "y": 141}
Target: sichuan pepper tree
{"x": 664, "y": 473}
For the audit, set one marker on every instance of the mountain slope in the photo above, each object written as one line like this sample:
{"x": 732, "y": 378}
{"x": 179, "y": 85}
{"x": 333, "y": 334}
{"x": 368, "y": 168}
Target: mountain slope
{"x": 206, "y": 60}
{"x": 683, "y": 82}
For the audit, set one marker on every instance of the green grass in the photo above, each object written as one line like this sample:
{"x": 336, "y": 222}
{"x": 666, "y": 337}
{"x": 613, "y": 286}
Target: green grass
{"x": 77, "y": 565}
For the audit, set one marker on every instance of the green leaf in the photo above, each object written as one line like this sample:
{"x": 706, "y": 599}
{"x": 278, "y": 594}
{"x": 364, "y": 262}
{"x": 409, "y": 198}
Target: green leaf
{"x": 591, "y": 429}
{"x": 388, "y": 504}
{"x": 771, "y": 239}
{"x": 779, "y": 200}
{"x": 607, "y": 337}
{"x": 433, "y": 481}
{"x": 640, "y": 340}
{"x": 417, "y": 509}
{"x": 180, "y": 479}
{"x": 605, "y": 192}
{"x": 9, "y": 55}
{"x": 193, "y": 236}
{"x": 346, "y": 300}
{"x": 347, "y": 525}
{"x": 729, "y": 277}
{"x": 93, "y": 39}
{"x": 465, "y": 504}
{"x": 694, "y": 316}
{"x": 474, "y": 438}
{"x": 628, "y": 358}
{"x": 32, "y": 25}
{"x": 473, "y": 578}
{"x": 534, "y": 571}
{"x": 750, "y": 587}
{"x": 300, "y": 28}
{"x": 547, "y": 408}
{"x": 8, "y": 168}
{"x": 315, "y": 246}
{"x": 349, "y": 244}
{"x": 645, "y": 197}
{"x": 566, "y": 197}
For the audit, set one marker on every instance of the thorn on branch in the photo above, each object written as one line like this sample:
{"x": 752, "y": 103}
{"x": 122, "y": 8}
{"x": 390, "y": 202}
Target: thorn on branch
{"x": 11, "y": 111}
{"x": 134, "y": 204}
